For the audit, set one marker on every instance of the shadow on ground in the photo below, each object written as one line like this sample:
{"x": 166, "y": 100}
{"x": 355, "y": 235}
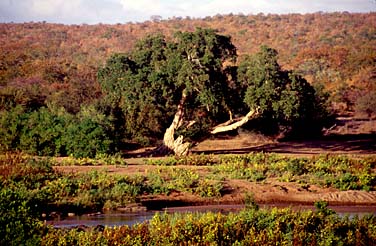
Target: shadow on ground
{"x": 351, "y": 144}
{"x": 336, "y": 144}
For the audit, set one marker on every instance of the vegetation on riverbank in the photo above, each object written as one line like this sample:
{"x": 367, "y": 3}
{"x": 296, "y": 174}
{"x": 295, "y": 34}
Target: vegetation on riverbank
{"x": 330, "y": 171}
{"x": 31, "y": 187}
{"x": 249, "y": 227}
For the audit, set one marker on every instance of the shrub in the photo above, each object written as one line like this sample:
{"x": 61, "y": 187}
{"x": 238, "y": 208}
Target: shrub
{"x": 18, "y": 223}
{"x": 43, "y": 131}
{"x": 86, "y": 138}
{"x": 11, "y": 123}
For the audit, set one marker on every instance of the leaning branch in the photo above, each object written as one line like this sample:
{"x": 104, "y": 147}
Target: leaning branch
{"x": 235, "y": 123}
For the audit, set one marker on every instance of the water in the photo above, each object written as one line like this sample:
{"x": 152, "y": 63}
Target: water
{"x": 106, "y": 219}
{"x": 112, "y": 219}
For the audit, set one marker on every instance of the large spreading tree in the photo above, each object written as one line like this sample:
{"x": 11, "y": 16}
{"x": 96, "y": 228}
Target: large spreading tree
{"x": 191, "y": 83}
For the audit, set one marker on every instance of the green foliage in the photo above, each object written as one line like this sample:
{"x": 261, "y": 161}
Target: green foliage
{"x": 190, "y": 160}
{"x": 142, "y": 94}
{"x": 333, "y": 171}
{"x": 209, "y": 188}
{"x": 54, "y": 132}
{"x": 148, "y": 83}
{"x": 11, "y": 124}
{"x": 94, "y": 191}
{"x": 322, "y": 208}
{"x": 167, "y": 179}
{"x": 43, "y": 132}
{"x": 287, "y": 101}
{"x": 250, "y": 202}
{"x": 86, "y": 138}
{"x": 297, "y": 166}
{"x": 18, "y": 223}
{"x": 107, "y": 159}
{"x": 99, "y": 160}
{"x": 48, "y": 189}
{"x": 75, "y": 237}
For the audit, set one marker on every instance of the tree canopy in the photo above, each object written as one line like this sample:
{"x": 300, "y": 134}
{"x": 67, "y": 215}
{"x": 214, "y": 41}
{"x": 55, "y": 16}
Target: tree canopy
{"x": 194, "y": 82}
{"x": 148, "y": 83}
{"x": 287, "y": 101}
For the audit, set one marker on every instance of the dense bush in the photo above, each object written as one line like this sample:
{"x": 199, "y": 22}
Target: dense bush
{"x": 87, "y": 138}
{"x": 42, "y": 132}
{"x": 54, "y": 132}
{"x": 11, "y": 124}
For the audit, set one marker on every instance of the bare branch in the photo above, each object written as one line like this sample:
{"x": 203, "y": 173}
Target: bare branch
{"x": 235, "y": 123}
{"x": 191, "y": 123}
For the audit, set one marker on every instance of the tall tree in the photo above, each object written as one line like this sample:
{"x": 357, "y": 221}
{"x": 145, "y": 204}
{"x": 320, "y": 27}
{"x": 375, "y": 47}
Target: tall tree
{"x": 180, "y": 81}
{"x": 191, "y": 82}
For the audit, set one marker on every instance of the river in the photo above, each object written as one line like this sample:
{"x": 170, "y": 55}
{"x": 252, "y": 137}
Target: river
{"x": 115, "y": 218}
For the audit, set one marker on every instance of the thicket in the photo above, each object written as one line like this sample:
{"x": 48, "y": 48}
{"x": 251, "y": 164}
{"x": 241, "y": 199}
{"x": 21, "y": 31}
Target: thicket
{"x": 49, "y": 131}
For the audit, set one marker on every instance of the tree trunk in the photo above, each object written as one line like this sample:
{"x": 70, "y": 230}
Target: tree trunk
{"x": 170, "y": 144}
{"x": 181, "y": 148}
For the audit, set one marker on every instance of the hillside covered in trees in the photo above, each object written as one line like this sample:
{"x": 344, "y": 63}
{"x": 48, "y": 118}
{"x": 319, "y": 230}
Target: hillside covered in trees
{"x": 49, "y": 83}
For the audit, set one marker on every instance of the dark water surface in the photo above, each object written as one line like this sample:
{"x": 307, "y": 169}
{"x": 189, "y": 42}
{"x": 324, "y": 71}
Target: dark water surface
{"x": 118, "y": 218}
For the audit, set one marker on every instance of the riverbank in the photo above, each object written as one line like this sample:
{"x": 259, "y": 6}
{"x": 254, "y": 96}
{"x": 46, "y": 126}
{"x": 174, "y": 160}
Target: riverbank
{"x": 41, "y": 188}
{"x": 270, "y": 178}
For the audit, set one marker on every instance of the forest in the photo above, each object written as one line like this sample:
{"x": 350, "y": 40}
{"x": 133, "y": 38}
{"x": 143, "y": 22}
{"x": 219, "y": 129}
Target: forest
{"x": 56, "y": 99}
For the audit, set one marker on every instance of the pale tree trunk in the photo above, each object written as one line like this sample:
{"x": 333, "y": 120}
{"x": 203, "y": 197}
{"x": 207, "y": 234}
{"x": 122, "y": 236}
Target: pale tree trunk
{"x": 170, "y": 144}
{"x": 181, "y": 148}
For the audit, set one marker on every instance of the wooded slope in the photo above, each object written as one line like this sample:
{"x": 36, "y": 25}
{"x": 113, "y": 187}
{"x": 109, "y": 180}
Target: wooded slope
{"x": 336, "y": 49}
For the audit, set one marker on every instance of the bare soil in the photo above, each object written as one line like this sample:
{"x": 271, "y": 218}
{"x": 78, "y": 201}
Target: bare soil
{"x": 354, "y": 138}
{"x": 266, "y": 192}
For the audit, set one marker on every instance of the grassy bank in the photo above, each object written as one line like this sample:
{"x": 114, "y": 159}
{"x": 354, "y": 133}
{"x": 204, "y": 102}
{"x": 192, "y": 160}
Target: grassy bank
{"x": 31, "y": 189}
